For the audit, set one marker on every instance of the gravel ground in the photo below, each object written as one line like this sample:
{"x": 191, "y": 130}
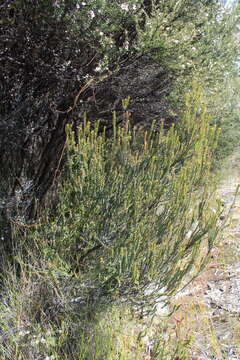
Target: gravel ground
{"x": 222, "y": 294}
{"x": 217, "y": 290}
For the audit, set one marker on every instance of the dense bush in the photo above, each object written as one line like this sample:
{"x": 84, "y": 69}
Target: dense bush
{"x": 131, "y": 215}
{"x": 125, "y": 214}
{"x": 132, "y": 219}
{"x": 61, "y": 59}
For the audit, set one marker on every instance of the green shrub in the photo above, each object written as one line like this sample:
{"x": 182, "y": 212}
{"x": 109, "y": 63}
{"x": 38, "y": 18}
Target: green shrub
{"x": 134, "y": 217}
{"x": 131, "y": 217}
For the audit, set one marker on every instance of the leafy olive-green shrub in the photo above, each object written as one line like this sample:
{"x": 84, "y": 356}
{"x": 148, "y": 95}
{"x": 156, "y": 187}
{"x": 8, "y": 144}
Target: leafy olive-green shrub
{"x": 193, "y": 42}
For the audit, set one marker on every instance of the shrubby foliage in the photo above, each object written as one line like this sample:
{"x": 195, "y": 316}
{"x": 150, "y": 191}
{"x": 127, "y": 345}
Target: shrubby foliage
{"x": 94, "y": 210}
{"x": 126, "y": 216}
{"x": 133, "y": 218}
